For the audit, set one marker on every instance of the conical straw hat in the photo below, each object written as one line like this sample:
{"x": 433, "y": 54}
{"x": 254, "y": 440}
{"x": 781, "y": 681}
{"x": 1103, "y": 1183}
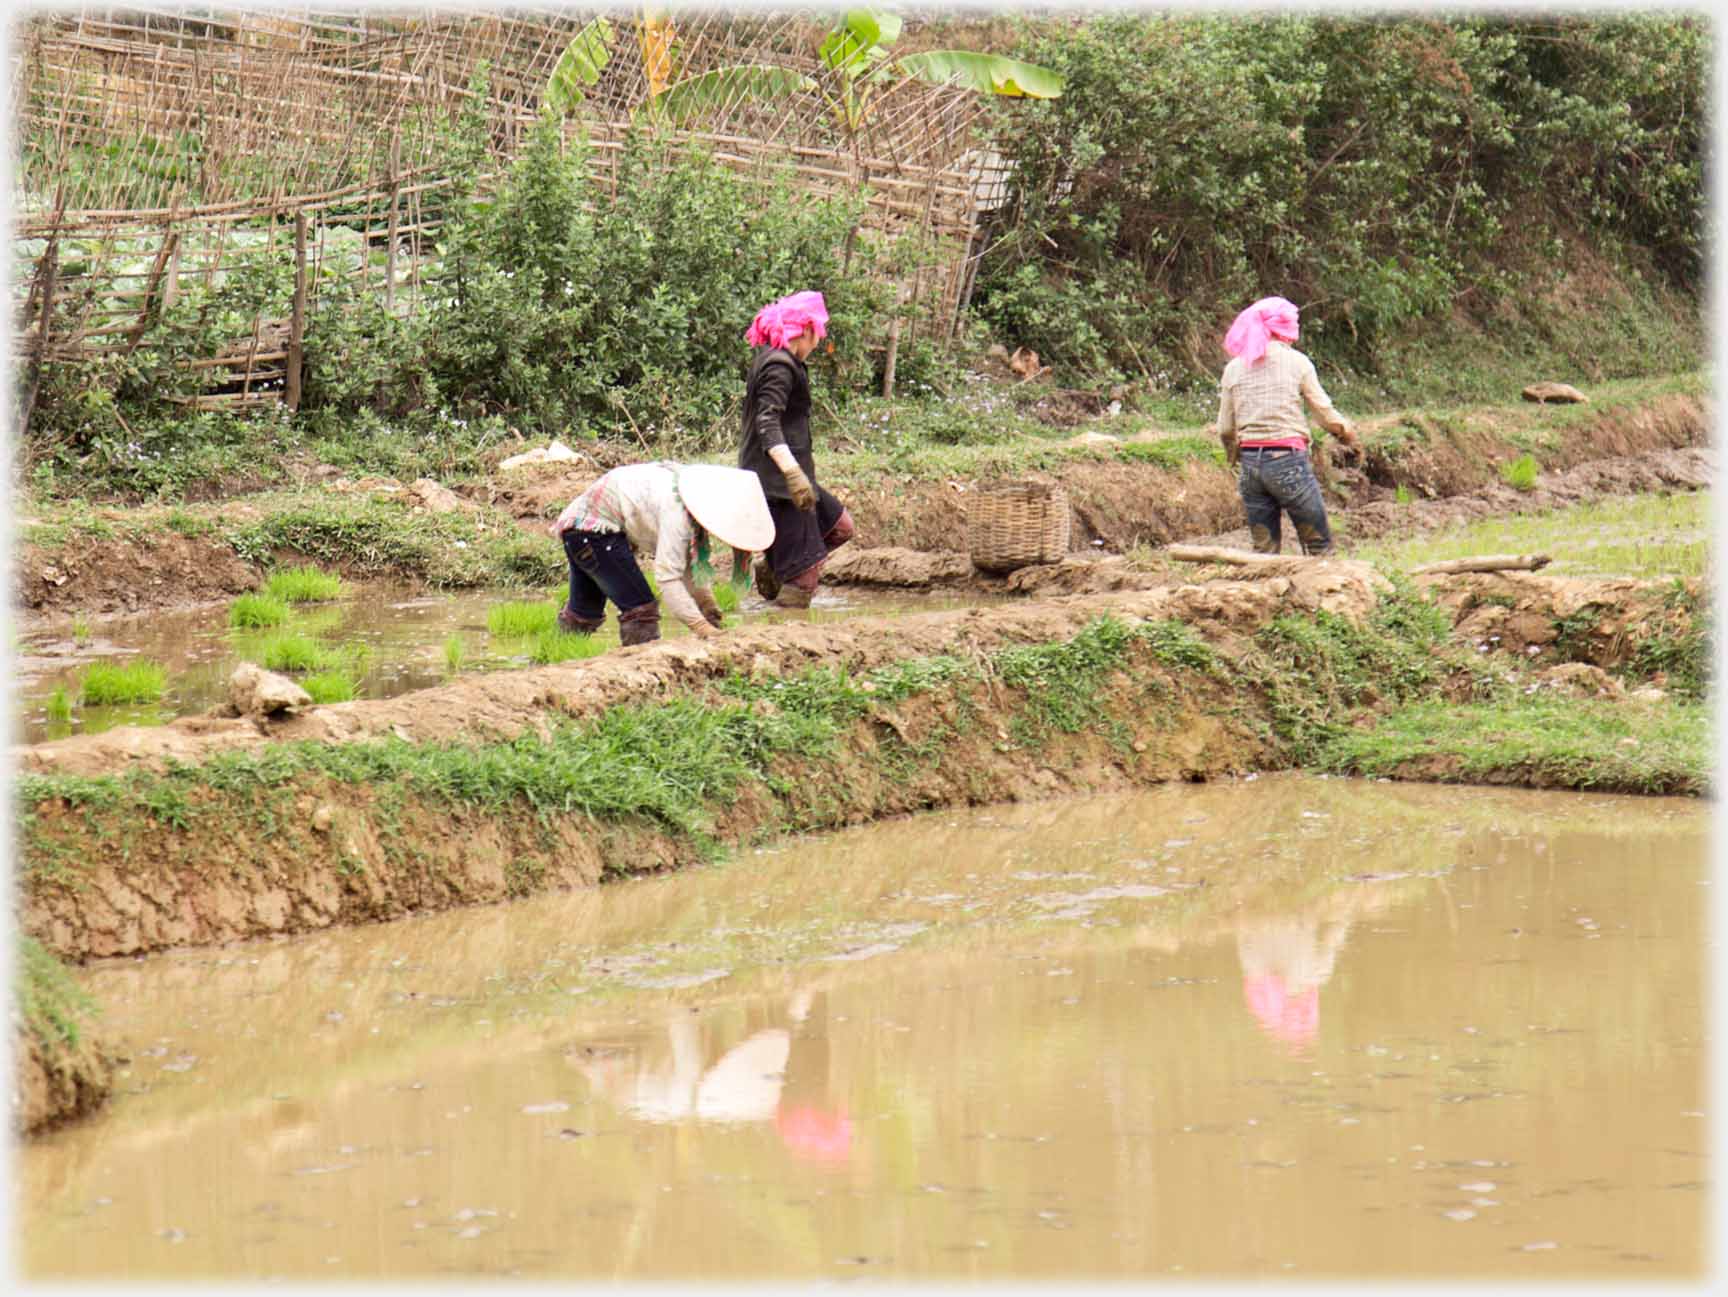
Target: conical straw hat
{"x": 729, "y": 503}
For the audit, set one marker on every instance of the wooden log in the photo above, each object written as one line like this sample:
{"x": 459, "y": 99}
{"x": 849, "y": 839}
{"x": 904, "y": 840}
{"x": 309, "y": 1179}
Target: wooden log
{"x": 297, "y": 319}
{"x": 50, "y": 262}
{"x": 395, "y": 221}
{"x": 170, "y": 237}
{"x": 1485, "y": 563}
{"x": 1233, "y": 557}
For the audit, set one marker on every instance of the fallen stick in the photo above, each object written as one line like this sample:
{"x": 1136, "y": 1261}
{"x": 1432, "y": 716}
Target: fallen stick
{"x": 1234, "y": 557}
{"x": 1487, "y": 563}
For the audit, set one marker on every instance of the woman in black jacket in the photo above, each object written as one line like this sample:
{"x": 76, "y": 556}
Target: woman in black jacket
{"x": 809, "y": 522}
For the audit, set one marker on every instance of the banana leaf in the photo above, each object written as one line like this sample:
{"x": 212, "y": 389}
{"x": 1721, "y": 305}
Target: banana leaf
{"x": 723, "y": 87}
{"x": 860, "y": 37}
{"x": 582, "y": 62}
{"x": 986, "y": 73}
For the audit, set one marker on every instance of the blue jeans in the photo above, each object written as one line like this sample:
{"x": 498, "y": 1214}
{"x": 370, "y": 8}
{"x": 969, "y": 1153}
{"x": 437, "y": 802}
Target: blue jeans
{"x": 601, "y": 568}
{"x": 1275, "y": 482}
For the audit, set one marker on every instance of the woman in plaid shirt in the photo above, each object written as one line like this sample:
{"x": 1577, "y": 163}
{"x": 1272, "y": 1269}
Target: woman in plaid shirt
{"x": 1263, "y": 426}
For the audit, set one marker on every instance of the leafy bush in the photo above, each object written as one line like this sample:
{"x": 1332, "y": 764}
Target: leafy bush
{"x": 568, "y": 307}
{"x": 1366, "y": 168}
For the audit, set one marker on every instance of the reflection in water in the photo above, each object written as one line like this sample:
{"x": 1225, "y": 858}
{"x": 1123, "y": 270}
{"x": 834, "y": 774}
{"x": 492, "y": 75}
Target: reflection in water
{"x": 678, "y": 1078}
{"x": 1287, "y": 958}
{"x": 1120, "y": 1037}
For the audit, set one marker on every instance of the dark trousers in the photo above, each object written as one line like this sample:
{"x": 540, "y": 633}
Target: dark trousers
{"x": 1276, "y": 482}
{"x": 601, "y": 568}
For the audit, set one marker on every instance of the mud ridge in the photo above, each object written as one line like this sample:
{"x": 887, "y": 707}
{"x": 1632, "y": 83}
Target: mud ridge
{"x": 1117, "y": 504}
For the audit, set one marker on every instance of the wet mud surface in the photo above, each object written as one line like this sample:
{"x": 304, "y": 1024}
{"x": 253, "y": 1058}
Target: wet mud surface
{"x": 401, "y": 630}
{"x": 1272, "y": 1027}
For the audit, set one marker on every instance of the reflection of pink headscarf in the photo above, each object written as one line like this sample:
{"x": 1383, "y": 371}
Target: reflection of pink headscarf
{"x": 779, "y": 322}
{"x": 1293, "y": 1019}
{"x": 815, "y": 1134}
{"x": 1270, "y": 317}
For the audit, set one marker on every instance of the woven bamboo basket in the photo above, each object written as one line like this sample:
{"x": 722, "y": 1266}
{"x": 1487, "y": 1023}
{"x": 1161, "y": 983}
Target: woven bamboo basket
{"x": 1017, "y": 524}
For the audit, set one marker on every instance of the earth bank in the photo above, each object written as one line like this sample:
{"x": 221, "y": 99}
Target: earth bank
{"x": 118, "y": 559}
{"x": 214, "y": 829}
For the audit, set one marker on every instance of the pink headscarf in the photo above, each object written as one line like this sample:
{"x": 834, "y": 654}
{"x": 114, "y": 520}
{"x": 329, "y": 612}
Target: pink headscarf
{"x": 779, "y": 322}
{"x": 1270, "y": 317}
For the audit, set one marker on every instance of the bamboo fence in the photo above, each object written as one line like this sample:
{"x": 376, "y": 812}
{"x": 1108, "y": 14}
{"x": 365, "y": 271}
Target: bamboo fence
{"x": 160, "y": 147}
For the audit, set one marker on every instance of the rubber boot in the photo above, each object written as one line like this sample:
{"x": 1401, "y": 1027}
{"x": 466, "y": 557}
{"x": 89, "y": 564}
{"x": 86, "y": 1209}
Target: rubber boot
{"x": 766, "y": 584}
{"x": 571, "y": 624}
{"x": 639, "y": 625}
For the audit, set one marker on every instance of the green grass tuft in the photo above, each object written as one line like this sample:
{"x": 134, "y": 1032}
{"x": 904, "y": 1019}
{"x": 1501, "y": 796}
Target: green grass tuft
{"x": 293, "y": 651}
{"x": 725, "y": 596}
{"x": 455, "y": 652}
{"x": 1571, "y": 743}
{"x": 254, "y": 611}
{"x": 334, "y": 686}
{"x": 561, "y": 646}
{"x": 1173, "y": 452}
{"x": 80, "y": 630}
{"x": 521, "y": 620}
{"x": 1521, "y": 473}
{"x": 49, "y": 1000}
{"x": 304, "y": 585}
{"x": 59, "y": 706}
{"x": 134, "y": 682}
{"x": 1651, "y": 536}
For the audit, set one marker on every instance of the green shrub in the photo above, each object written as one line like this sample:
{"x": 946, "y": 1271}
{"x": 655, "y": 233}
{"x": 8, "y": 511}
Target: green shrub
{"x": 253, "y": 611}
{"x": 303, "y": 585}
{"x": 651, "y": 278}
{"x": 1381, "y": 169}
{"x": 132, "y": 682}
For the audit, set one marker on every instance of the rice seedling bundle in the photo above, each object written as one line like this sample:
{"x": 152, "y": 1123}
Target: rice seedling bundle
{"x": 107, "y": 683}
{"x": 304, "y": 585}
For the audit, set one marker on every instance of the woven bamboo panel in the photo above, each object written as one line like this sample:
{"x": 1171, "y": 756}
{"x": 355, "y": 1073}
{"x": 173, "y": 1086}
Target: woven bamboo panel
{"x": 1016, "y": 524}
{"x": 155, "y": 139}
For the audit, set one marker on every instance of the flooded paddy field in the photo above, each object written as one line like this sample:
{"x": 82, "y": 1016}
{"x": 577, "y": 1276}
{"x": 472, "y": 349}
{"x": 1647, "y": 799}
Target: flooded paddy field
{"x": 1271, "y": 1026}
{"x": 398, "y": 635}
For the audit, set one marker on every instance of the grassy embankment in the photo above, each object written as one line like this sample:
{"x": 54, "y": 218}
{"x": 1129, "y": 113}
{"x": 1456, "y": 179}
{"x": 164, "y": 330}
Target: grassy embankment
{"x": 980, "y": 432}
{"x": 1325, "y": 694}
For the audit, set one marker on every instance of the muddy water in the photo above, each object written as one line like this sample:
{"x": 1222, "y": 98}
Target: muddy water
{"x": 1278, "y": 1026}
{"x": 402, "y": 632}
